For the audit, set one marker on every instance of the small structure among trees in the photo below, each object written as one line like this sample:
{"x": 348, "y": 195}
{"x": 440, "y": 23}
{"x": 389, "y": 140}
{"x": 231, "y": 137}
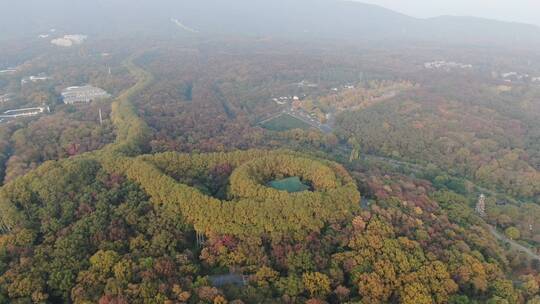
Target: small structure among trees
{"x": 481, "y": 205}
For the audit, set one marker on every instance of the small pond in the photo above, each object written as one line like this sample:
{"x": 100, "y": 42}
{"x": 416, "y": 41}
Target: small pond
{"x": 289, "y": 184}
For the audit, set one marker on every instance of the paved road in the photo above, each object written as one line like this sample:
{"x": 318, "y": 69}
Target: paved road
{"x": 515, "y": 245}
{"x": 512, "y": 243}
{"x": 418, "y": 169}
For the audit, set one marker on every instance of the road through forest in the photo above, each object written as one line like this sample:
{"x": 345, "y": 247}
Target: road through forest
{"x": 512, "y": 243}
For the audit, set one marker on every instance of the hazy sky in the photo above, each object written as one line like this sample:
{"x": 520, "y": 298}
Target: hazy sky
{"x": 510, "y": 10}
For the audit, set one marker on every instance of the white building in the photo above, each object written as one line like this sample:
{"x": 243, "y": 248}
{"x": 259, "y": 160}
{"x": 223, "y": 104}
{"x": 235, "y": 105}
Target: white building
{"x": 8, "y": 71}
{"x": 62, "y": 42}
{"x": 305, "y": 83}
{"x": 24, "y": 112}
{"x": 76, "y": 39}
{"x": 5, "y": 98}
{"x": 84, "y": 94}
{"x": 40, "y": 77}
{"x": 69, "y": 40}
{"x": 509, "y": 76}
{"x": 446, "y": 65}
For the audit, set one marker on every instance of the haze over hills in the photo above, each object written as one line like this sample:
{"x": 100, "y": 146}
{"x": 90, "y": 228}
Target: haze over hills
{"x": 310, "y": 19}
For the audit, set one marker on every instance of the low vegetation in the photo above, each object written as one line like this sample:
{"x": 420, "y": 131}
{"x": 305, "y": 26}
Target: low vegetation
{"x": 253, "y": 208}
{"x": 285, "y": 122}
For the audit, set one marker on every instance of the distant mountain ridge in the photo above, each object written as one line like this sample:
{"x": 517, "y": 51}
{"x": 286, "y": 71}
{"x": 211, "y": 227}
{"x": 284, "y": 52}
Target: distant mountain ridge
{"x": 311, "y": 19}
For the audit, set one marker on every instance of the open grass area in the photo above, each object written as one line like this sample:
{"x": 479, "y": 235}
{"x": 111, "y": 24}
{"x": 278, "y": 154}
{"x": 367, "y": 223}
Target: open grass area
{"x": 289, "y": 184}
{"x": 285, "y": 122}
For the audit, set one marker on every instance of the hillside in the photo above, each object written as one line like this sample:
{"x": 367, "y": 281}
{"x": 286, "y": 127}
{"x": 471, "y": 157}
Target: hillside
{"x": 104, "y": 227}
{"x": 298, "y": 19}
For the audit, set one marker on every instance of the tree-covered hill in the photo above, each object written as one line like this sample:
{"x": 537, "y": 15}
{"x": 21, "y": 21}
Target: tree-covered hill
{"x": 291, "y": 19}
{"x": 115, "y": 226}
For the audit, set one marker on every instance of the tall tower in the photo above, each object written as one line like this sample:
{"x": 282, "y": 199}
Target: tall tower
{"x": 481, "y": 205}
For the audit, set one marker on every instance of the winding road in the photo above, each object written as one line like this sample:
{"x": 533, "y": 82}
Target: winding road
{"x": 416, "y": 168}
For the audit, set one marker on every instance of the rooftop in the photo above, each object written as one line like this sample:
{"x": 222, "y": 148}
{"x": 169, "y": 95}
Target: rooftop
{"x": 83, "y": 94}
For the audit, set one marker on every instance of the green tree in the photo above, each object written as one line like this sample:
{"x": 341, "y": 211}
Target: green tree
{"x": 504, "y": 289}
{"x": 317, "y": 284}
{"x": 291, "y": 286}
{"x": 512, "y": 233}
{"x": 529, "y": 285}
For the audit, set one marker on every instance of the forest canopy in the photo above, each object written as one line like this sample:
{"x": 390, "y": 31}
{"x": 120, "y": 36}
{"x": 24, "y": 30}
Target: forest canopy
{"x": 197, "y": 221}
{"x": 251, "y": 207}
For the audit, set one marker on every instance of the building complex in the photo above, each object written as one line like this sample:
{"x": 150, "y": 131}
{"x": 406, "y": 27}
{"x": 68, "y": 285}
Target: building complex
{"x": 84, "y": 94}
